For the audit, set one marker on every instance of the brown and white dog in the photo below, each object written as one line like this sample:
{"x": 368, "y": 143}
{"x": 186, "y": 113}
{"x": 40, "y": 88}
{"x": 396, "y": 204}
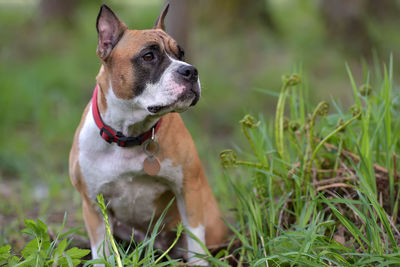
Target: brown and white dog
{"x": 143, "y": 78}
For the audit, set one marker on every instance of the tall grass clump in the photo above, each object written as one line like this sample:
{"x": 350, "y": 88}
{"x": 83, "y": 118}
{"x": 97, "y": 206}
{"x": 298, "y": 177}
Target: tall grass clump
{"x": 324, "y": 188}
{"x": 135, "y": 253}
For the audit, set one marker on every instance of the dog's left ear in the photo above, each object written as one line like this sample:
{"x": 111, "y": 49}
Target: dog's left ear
{"x": 160, "y": 20}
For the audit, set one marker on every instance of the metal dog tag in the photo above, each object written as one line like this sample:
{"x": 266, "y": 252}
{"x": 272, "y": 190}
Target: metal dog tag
{"x": 151, "y": 164}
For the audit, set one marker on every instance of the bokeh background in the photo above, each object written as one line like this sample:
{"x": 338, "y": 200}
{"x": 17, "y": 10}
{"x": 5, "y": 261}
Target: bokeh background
{"x": 241, "y": 48}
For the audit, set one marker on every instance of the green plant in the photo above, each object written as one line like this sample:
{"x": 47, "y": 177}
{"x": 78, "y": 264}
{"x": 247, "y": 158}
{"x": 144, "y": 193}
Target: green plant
{"x": 317, "y": 190}
{"x": 136, "y": 254}
{"x": 41, "y": 251}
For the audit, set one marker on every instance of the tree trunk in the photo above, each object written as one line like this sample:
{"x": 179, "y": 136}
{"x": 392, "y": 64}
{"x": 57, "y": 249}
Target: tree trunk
{"x": 58, "y": 9}
{"x": 178, "y": 22}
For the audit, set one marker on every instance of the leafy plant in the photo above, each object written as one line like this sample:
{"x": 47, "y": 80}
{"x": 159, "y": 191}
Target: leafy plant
{"x": 41, "y": 251}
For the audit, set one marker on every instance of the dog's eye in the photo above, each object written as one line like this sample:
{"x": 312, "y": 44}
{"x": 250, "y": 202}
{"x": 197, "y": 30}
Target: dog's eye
{"x": 148, "y": 56}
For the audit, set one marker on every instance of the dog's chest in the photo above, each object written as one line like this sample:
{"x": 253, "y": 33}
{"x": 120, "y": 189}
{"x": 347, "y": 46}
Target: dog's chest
{"x": 118, "y": 174}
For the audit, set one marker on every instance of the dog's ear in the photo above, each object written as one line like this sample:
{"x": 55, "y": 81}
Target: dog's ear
{"x": 160, "y": 20}
{"x": 110, "y": 29}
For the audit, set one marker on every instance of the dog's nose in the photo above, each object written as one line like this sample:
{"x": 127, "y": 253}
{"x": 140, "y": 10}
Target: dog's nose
{"x": 188, "y": 72}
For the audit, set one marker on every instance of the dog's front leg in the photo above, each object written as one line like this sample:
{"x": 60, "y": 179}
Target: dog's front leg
{"x": 95, "y": 226}
{"x": 191, "y": 211}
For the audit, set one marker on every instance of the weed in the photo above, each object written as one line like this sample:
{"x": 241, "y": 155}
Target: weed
{"x": 40, "y": 251}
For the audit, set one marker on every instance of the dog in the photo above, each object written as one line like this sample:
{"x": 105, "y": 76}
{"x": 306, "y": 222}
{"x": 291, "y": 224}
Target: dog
{"x": 132, "y": 146}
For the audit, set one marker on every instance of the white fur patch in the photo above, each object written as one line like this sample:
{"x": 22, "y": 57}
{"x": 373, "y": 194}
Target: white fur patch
{"x": 97, "y": 248}
{"x": 194, "y": 247}
{"x": 122, "y": 114}
{"x": 173, "y": 174}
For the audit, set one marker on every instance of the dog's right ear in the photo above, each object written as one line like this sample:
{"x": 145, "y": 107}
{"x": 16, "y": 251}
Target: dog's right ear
{"x": 110, "y": 29}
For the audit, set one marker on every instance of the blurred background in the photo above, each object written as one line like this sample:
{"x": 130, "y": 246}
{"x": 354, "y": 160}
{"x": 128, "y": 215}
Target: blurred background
{"x": 241, "y": 48}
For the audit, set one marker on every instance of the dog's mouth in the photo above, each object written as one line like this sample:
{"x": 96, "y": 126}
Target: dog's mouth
{"x": 155, "y": 109}
{"x": 184, "y": 97}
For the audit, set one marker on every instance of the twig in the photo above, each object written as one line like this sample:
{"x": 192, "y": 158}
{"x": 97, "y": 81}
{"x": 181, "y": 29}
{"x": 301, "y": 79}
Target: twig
{"x": 333, "y": 185}
{"x": 354, "y": 157}
{"x": 264, "y": 252}
{"x": 334, "y": 180}
{"x": 392, "y": 224}
{"x": 323, "y": 170}
{"x": 281, "y": 215}
{"x": 395, "y": 167}
{"x": 323, "y": 141}
{"x": 230, "y": 256}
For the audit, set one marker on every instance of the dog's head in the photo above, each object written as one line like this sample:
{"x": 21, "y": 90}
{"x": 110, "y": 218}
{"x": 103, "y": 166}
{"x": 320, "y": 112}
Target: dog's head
{"x": 146, "y": 67}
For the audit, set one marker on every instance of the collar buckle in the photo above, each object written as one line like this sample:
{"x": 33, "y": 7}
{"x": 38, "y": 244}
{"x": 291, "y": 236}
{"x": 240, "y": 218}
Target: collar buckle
{"x": 106, "y": 135}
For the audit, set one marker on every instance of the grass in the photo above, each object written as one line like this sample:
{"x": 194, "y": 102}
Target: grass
{"x": 311, "y": 189}
{"x": 326, "y": 190}
{"x": 303, "y": 188}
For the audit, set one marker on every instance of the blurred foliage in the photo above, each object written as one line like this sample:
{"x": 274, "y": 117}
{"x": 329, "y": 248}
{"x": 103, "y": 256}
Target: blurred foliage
{"x": 48, "y": 66}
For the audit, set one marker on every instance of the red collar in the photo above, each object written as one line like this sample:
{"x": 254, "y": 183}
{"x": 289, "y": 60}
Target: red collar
{"x": 110, "y": 135}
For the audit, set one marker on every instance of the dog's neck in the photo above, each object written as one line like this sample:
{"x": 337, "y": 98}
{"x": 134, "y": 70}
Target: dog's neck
{"x": 126, "y": 116}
